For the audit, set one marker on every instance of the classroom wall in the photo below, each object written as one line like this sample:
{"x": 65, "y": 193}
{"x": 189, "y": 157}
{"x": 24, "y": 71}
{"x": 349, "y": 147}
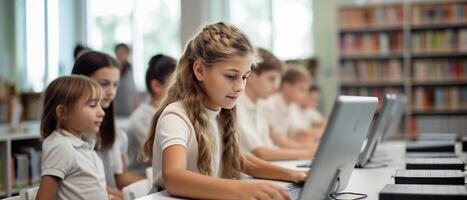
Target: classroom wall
{"x": 324, "y": 36}
{"x": 73, "y": 30}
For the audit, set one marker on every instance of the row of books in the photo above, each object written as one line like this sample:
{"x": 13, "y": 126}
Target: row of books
{"x": 448, "y": 40}
{"x": 439, "y": 13}
{"x": 440, "y": 98}
{"x": 371, "y": 70}
{"x": 371, "y": 43}
{"x": 439, "y": 70}
{"x": 377, "y": 16}
{"x": 25, "y": 168}
{"x": 440, "y": 124}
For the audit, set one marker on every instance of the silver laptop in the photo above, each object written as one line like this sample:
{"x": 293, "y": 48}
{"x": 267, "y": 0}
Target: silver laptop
{"x": 396, "y": 117}
{"x": 376, "y": 132}
{"x": 339, "y": 148}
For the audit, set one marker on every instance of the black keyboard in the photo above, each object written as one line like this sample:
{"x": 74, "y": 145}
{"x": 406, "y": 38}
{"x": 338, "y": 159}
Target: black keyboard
{"x": 294, "y": 190}
{"x": 305, "y": 165}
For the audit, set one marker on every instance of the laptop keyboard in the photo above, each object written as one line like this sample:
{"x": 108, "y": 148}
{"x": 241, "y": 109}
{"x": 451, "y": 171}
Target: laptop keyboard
{"x": 305, "y": 165}
{"x": 294, "y": 190}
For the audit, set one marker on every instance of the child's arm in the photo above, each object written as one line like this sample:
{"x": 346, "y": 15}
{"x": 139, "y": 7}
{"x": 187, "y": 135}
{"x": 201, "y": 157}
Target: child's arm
{"x": 308, "y": 134}
{"x": 262, "y": 169}
{"x": 114, "y": 193}
{"x": 269, "y": 154}
{"x": 181, "y": 182}
{"x": 48, "y": 187}
{"x": 126, "y": 177}
{"x": 286, "y": 142}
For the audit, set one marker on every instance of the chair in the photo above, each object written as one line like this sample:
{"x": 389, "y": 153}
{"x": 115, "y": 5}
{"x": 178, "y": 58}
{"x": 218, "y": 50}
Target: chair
{"x": 29, "y": 193}
{"x": 135, "y": 190}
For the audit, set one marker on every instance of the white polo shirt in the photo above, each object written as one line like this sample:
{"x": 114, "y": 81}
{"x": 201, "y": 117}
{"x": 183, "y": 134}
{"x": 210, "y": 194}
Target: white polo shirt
{"x": 138, "y": 128}
{"x": 253, "y": 127}
{"x": 281, "y": 117}
{"x": 310, "y": 116}
{"x": 175, "y": 128}
{"x": 112, "y": 157}
{"x": 75, "y": 162}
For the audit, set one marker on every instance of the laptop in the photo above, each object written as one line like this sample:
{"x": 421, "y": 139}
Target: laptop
{"x": 396, "y": 117}
{"x": 339, "y": 148}
{"x": 377, "y": 131}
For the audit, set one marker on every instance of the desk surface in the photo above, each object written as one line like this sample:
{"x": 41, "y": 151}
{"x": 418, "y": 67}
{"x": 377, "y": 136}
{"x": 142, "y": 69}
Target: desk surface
{"x": 368, "y": 181}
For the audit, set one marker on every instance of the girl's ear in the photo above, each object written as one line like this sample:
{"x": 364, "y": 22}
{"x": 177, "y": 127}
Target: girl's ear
{"x": 60, "y": 112}
{"x": 200, "y": 69}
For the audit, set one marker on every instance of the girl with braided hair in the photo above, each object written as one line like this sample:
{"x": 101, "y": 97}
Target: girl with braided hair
{"x": 193, "y": 141}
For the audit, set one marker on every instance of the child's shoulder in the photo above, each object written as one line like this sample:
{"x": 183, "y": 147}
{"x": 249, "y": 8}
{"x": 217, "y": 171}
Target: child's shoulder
{"x": 176, "y": 107}
{"x": 175, "y": 111}
{"x": 141, "y": 110}
{"x": 56, "y": 140}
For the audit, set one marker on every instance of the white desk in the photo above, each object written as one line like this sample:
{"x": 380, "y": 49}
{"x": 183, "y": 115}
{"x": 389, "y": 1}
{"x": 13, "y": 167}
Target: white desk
{"x": 368, "y": 181}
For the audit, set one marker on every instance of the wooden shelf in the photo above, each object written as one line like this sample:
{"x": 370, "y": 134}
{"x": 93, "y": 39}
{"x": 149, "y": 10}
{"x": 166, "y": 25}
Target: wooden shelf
{"x": 422, "y": 27}
{"x": 370, "y": 29}
{"x": 439, "y": 83}
{"x": 371, "y": 57}
{"x": 439, "y": 112}
{"x": 440, "y": 55}
{"x": 372, "y": 84}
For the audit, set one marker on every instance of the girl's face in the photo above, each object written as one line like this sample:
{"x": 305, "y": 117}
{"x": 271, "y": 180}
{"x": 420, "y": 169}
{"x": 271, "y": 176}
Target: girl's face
{"x": 108, "y": 78}
{"x": 122, "y": 54}
{"x": 224, "y": 81}
{"x": 85, "y": 117}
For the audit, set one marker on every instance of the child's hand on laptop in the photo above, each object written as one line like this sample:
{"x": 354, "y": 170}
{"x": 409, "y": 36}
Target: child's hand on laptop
{"x": 297, "y": 176}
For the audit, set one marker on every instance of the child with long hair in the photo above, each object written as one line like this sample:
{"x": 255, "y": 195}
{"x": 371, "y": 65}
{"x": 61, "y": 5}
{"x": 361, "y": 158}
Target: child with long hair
{"x": 159, "y": 76}
{"x": 71, "y": 117}
{"x": 112, "y": 141}
{"x": 193, "y": 141}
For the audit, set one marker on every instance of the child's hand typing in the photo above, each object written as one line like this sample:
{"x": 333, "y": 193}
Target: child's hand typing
{"x": 297, "y": 176}
{"x": 261, "y": 190}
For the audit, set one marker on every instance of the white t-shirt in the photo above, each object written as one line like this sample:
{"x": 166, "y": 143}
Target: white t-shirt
{"x": 310, "y": 116}
{"x": 281, "y": 117}
{"x": 112, "y": 158}
{"x": 138, "y": 128}
{"x": 175, "y": 128}
{"x": 75, "y": 162}
{"x": 253, "y": 127}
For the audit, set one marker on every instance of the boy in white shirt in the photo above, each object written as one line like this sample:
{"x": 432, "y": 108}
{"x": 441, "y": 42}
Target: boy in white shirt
{"x": 255, "y": 134}
{"x": 284, "y": 115}
{"x": 311, "y": 117}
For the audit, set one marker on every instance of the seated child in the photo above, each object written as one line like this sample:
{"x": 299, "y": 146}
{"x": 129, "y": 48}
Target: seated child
{"x": 72, "y": 114}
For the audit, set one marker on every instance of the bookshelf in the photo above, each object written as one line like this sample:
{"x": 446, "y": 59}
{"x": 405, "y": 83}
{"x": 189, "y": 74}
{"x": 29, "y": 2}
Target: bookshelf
{"x": 418, "y": 48}
{"x": 12, "y": 144}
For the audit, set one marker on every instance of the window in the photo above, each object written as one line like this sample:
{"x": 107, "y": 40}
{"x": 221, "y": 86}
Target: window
{"x": 293, "y": 33}
{"x": 148, "y": 26}
{"x": 283, "y": 26}
{"x": 254, "y": 18}
{"x": 37, "y": 42}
